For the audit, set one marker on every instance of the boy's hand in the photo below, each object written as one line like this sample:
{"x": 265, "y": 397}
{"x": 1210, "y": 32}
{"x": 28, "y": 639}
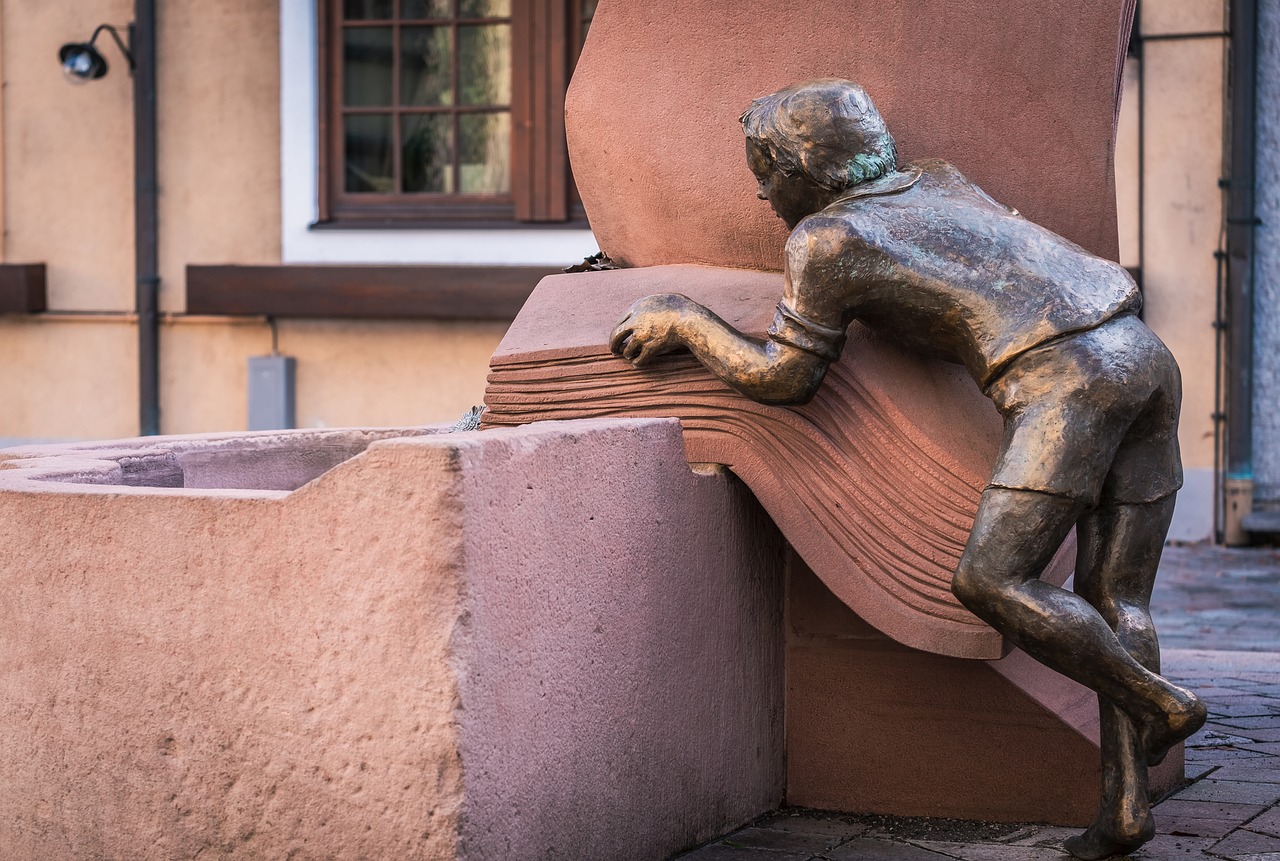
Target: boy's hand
{"x": 652, "y": 327}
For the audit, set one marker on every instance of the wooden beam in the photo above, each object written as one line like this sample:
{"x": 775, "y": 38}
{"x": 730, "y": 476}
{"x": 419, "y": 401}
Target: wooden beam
{"x": 22, "y": 288}
{"x": 363, "y": 292}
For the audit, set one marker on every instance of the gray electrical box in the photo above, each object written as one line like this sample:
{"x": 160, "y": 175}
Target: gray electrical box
{"x": 271, "y": 392}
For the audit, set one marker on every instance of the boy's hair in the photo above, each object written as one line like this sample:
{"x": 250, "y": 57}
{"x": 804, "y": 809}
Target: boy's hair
{"x": 827, "y": 129}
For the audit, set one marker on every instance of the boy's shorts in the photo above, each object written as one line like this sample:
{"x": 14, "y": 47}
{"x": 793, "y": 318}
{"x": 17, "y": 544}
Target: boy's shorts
{"x": 1092, "y": 416}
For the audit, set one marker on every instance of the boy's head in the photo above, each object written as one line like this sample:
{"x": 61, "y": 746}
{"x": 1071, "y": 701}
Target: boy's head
{"x": 827, "y": 130}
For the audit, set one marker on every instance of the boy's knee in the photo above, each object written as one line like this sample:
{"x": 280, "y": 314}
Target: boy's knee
{"x": 972, "y": 589}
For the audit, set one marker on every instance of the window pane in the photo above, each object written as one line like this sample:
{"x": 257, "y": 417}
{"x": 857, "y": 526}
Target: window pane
{"x": 366, "y": 66}
{"x": 421, "y": 9}
{"x": 425, "y": 66}
{"x": 484, "y": 153}
{"x": 485, "y": 9}
{"x": 589, "y": 8}
{"x": 366, "y": 10}
{"x": 484, "y": 65}
{"x": 428, "y": 153}
{"x": 369, "y": 166}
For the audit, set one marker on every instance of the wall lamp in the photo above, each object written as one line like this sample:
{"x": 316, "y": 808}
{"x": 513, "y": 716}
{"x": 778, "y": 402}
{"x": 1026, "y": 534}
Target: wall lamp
{"x": 82, "y": 62}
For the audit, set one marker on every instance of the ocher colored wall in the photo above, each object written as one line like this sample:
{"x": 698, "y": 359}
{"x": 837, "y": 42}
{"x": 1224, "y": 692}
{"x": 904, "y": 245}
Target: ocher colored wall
{"x": 68, "y": 202}
{"x": 372, "y": 374}
{"x": 66, "y": 377}
{"x": 219, "y": 137}
{"x": 1183, "y": 105}
{"x": 1180, "y": 106}
{"x": 68, "y": 155}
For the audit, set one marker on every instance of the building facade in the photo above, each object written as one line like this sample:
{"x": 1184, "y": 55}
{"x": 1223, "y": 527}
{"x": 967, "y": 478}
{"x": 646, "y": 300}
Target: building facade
{"x": 372, "y": 186}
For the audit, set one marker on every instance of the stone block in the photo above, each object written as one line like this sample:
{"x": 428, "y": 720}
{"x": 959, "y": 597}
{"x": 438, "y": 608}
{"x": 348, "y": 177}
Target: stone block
{"x": 994, "y": 87}
{"x": 554, "y": 641}
{"x": 874, "y": 726}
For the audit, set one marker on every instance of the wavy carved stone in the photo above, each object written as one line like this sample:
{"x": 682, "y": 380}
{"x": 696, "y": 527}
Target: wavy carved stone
{"x": 875, "y": 482}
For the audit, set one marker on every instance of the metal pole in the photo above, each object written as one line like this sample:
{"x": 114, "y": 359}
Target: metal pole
{"x": 142, "y": 40}
{"x": 1241, "y": 221}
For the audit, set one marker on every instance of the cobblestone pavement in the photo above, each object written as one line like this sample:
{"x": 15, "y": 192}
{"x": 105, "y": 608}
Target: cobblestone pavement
{"x": 1218, "y": 612}
{"x": 1210, "y": 597}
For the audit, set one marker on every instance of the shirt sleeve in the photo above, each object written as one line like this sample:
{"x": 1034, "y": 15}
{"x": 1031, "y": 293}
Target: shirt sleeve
{"x": 791, "y": 328}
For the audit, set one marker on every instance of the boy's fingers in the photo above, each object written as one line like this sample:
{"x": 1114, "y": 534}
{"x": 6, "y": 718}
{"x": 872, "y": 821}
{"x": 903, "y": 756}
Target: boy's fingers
{"x": 619, "y": 336}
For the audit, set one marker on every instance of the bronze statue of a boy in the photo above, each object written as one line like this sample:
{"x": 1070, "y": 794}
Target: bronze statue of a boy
{"x": 1089, "y": 395}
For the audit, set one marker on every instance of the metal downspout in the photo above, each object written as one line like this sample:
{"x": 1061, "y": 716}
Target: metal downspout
{"x": 142, "y": 40}
{"x": 1241, "y": 221}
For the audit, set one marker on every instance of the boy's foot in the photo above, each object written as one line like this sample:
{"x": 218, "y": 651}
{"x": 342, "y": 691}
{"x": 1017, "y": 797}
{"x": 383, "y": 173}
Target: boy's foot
{"x": 1106, "y": 839}
{"x": 1094, "y": 845}
{"x": 1157, "y": 736}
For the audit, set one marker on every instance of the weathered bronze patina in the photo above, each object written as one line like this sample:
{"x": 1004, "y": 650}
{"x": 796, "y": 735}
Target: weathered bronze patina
{"x": 1089, "y": 396}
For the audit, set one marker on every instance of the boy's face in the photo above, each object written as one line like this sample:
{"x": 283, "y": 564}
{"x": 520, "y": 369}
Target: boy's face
{"x": 792, "y": 196}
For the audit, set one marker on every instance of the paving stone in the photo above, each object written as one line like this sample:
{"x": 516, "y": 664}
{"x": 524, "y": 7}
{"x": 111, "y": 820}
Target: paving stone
{"x": 1261, "y": 856}
{"x": 1043, "y": 835}
{"x": 1169, "y": 847}
{"x": 1270, "y": 748}
{"x": 769, "y": 838}
{"x": 1220, "y": 754}
{"x": 1267, "y": 822}
{"x": 808, "y": 823}
{"x": 991, "y": 851}
{"x": 1209, "y": 737}
{"x": 1246, "y": 843}
{"x": 1260, "y": 734}
{"x": 1196, "y": 770}
{"x": 720, "y": 852}
{"x": 1179, "y": 806}
{"x": 871, "y": 849}
{"x": 1231, "y": 791}
{"x": 1251, "y": 722}
{"x": 1244, "y": 695}
{"x": 1260, "y": 770}
{"x": 1186, "y": 826}
{"x": 1215, "y": 689}
{"x": 1242, "y": 709}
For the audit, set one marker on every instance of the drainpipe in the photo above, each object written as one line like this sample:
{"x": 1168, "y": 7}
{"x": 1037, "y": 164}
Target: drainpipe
{"x": 142, "y": 40}
{"x": 1241, "y": 222}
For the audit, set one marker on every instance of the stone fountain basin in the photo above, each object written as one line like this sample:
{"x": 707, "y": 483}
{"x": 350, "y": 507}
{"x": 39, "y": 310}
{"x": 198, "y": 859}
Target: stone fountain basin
{"x": 275, "y": 461}
{"x": 549, "y": 641}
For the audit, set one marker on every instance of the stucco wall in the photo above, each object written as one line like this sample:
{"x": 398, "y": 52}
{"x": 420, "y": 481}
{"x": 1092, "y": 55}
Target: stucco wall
{"x": 68, "y": 156}
{"x": 1176, "y": 89}
{"x": 219, "y": 137}
{"x": 1266, "y": 381}
{"x": 68, "y": 202}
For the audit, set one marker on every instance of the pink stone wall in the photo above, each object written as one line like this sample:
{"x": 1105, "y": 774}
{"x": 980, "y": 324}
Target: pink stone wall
{"x": 626, "y": 635}
{"x": 1021, "y": 95}
{"x": 553, "y": 641}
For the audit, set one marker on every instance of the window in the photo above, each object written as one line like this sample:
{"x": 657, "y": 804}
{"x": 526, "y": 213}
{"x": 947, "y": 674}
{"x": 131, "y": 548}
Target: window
{"x": 447, "y": 110}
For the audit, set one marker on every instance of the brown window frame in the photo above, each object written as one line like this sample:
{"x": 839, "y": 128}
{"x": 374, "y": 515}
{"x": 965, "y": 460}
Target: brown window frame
{"x": 545, "y": 36}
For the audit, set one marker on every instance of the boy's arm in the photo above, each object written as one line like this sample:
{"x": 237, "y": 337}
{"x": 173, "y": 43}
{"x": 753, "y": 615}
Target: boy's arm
{"x": 806, "y": 336}
{"x": 769, "y": 371}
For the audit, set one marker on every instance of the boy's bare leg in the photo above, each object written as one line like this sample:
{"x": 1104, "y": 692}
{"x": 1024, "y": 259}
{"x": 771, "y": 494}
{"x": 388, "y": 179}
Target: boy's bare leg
{"x": 1118, "y": 553}
{"x": 1015, "y": 534}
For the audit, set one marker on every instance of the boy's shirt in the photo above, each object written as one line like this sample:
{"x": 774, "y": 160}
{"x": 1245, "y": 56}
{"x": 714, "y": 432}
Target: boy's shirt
{"x": 945, "y": 270}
